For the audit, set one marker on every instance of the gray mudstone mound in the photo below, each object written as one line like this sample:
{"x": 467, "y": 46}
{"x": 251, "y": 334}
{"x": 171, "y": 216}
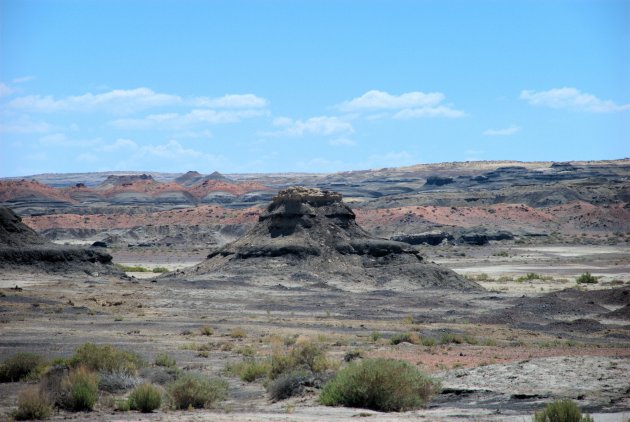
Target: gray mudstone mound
{"x": 21, "y": 246}
{"x": 310, "y": 235}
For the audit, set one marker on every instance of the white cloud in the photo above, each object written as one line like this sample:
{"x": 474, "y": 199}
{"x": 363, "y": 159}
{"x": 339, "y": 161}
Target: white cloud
{"x": 342, "y": 142}
{"x": 172, "y": 149}
{"x": 87, "y": 157}
{"x": 380, "y": 100}
{"x": 120, "y": 144}
{"x": 320, "y": 125}
{"x": 174, "y": 121}
{"x": 440, "y": 111}
{"x": 5, "y": 90}
{"x": 123, "y": 101}
{"x": 502, "y": 132}
{"x": 410, "y": 105}
{"x": 571, "y": 99}
{"x": 231, "y": 101}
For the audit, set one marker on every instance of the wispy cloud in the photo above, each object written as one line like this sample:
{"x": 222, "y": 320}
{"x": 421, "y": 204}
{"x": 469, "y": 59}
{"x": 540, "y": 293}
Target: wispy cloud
{"x": 380, "y": 100}
{"x": 58, "y": 140}
{"x": 120, "y": 144}
{"x": 440, "y": 111}
{"x": 23, "y": 79}
{"x": 502, "y": 132}
{"x": 320, "y": 125}
{"x": 176, "y": 121}
{"x": 344, "y": 142}
{"x": 122, "y": 101}
{"x": 571, "y": 99}
{"x": 409, "y": 105}
{"x": 24, "y": 124}
{"x": 6, "y": 90}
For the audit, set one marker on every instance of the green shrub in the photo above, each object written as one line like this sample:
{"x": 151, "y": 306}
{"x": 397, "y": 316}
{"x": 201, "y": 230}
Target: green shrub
{"x": 448, "y": 338}
{"x": 163, "y": 359}
{"x": 405, "y": 337}
{"x": 586, "y": 278}
{"x": 249, "y": 370}
{"x": 21, "y": 366}
{"x": 375, "y": 336}
{"x": 160, "y": 270}
{"x": 132, "y": 269}
{"x": 197, "y": 391}
{"x": 529, "y": 277}
{"x": 561, "y": 411}
{"x": 80, "y": 390}
{"x": 303, "y": 356}
{"x": 145, "y": 398}
{"x": 32, "y": 404}
{"x": 428, "y": 341}
{"x": 106, "y": 358}
{"x": 122, "y": 405}
{"x": 379, "y": 384}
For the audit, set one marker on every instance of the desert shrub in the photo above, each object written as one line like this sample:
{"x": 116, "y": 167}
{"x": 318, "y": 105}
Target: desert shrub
{"x": 197, "y": 391}
{"x": 249, "y": 370}
{"x": 32, "y": 404}
{"x": 145, "y": 398}
{"x": 106, "y": 358}
{"x": 586, "y": 278}
{"x": 132, "y": 269}
{"x": 160, "y": 270}
{"x": 117, "y": 381}
{"x": 429, "y": 341}
{"x": 21, "y": 366}
{"x": 303, "y": 356}
{"x": 353, "y": 355}
{"x": 237, "y": 332}
{"x": 379, "y": 384}
{"x": 529, "y": 277}
{"x": 161, "y": 375}
{"x": 122, "y": 405}
{"x": 80, "y": 390}
{"x": 206, "y": 330}
{"x": 288, "y": 385}
{"x": 375, "y": 336}
{"x": 245, "y": 350}
{"x": 448, "y": 338}
{"x": 163, "y": 359}
{"x": 405, "y": 337}
{"x": 561, "y": 411}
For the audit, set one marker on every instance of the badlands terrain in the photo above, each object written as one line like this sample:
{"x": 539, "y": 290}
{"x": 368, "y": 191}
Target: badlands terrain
{"x": 472, "y": 266}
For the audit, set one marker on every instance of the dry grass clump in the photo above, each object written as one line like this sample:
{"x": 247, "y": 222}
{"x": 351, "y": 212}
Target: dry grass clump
{"x": 237, "y": 333}
{"x": 405, "y": 338}
{"x": 79, "y": 390}
{"x": 197, "y": 391}
{"x": 249, "y": 370}
{"x": 305, "y": 355}
{"x": 106, "y": 358}
{"x": 380, "y": 384}
{"x": 163, "y": 359}
{"x": 145, "y": 398}
{"x": 33, "y": 404}
{"x": 206, "y": 330}
{"x": 561, "y": 411}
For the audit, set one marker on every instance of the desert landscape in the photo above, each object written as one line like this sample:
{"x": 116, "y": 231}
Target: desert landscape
{"x": 507, "y": 283}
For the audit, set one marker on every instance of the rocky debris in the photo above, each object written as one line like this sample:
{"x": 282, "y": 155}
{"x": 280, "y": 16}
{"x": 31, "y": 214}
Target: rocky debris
{"x": 313, "y": 231}
{"x": 125, "y": 180}
{"x": 21, "y": 246}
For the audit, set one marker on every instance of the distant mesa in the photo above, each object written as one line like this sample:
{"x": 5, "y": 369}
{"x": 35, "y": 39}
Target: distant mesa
{"x": 193, "y": 178}
{"x": 126, "y": 180}
{"x": 308, "y": 235}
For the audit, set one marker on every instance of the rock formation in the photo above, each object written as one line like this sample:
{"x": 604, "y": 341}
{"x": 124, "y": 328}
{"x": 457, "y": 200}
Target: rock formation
{"x": 310, "y": 235}
{"x": 21, "y": 246}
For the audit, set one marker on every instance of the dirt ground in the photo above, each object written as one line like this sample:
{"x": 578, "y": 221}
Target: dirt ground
{"x": 515, "y": 351}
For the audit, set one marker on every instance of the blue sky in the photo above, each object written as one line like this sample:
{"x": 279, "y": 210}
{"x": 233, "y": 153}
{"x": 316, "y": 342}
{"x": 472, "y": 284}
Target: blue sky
{"x": 309, "y": 86}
